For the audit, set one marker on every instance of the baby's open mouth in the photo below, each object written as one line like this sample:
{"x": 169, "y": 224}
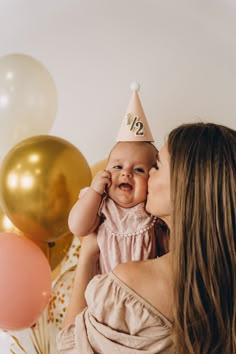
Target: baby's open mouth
{"x": 125, "y": 186}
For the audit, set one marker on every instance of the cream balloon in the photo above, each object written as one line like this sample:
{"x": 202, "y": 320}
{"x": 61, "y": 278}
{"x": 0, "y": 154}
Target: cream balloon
{"x": 28, "y": 100}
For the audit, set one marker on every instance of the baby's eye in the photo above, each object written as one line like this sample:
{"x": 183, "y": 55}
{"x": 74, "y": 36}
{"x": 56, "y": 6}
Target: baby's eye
{"x": 155, "y": 166}
{"x": 117, "y": 167}
{"x": 139, "y": 169}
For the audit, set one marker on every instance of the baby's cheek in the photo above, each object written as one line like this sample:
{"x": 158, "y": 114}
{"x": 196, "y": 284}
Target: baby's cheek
{"x": 146, "y": 180}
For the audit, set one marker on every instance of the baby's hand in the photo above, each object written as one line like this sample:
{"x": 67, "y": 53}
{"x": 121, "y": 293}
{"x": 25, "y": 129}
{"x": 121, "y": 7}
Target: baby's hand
{"x": 101, "y": 181}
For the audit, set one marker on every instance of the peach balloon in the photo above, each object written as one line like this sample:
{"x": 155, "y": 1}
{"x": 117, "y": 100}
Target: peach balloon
{"x": 25, "y": 279}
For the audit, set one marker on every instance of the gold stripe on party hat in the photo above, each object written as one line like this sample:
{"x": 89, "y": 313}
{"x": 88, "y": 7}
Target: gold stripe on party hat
{"x": 134, "y": 126}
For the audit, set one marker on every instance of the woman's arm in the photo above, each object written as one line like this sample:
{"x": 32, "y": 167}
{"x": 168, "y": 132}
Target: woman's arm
{"x": 86, "y": 269}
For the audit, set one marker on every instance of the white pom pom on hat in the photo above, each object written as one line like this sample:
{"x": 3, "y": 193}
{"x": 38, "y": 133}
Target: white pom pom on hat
{"x": 134, "y": 126}
{"x": 135, "y": 86}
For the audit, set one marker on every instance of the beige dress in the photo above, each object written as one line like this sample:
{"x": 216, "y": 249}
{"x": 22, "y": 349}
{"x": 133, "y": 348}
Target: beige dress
{"x": 116, "y": 321}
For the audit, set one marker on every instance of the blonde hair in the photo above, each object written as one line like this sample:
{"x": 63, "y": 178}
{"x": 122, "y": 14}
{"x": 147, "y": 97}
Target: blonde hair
{"x": 203, "y": 186}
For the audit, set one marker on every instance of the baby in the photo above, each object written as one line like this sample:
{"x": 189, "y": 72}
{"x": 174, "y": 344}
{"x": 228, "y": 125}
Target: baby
{"x": 114, "y": 204}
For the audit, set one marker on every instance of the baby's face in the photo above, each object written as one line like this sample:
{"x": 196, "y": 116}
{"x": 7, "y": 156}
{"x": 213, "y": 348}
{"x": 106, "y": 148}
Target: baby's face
{"x": 129, "y": 164}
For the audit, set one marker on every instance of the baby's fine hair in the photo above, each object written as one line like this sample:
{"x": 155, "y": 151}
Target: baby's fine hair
{"x": 133, "y": 142}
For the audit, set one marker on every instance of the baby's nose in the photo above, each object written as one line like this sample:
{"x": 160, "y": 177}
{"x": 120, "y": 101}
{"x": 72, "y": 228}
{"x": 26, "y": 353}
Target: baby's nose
{"x": 127, "y": 173}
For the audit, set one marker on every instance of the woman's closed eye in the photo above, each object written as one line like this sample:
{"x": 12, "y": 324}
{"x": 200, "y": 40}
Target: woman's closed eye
{"x": 139, "y": 170}
{"x": 155, "y": 166}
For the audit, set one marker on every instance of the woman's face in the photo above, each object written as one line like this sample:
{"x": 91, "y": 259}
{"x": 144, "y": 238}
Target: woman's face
{"x": 158, "y": 199}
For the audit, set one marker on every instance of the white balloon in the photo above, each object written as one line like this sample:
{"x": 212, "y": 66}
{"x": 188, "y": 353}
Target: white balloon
{"x": 28, "y": 100}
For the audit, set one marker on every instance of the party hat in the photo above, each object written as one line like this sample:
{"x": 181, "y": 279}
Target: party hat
{"x": 134, "y": 126}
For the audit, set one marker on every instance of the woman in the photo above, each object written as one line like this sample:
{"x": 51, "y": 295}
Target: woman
{"x": 184, "y": 301}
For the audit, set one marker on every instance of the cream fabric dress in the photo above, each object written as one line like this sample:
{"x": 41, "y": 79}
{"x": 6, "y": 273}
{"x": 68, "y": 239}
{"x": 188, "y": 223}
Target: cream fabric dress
{"x": 116, "y": 321}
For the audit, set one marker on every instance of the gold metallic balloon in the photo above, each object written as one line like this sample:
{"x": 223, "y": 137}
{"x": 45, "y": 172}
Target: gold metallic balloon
{"x": 40, "y": 180}
{"x": 6, "y": 225}
{"x": 55, "y": 251}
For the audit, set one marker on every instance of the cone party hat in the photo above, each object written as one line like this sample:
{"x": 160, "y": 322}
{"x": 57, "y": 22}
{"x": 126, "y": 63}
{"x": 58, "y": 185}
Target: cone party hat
{"x": 134, "y": 126}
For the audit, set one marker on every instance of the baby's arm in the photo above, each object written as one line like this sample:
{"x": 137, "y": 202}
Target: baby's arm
{"x": 83, "y": 217}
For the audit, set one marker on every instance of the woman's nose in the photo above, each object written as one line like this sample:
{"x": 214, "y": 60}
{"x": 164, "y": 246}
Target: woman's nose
{"x": 151, "y": 170}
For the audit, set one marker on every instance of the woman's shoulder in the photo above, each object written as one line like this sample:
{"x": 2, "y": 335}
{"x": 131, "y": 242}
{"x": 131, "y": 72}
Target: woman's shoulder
{"x": 150, "y": 279}
{"x": 134, "y": 272}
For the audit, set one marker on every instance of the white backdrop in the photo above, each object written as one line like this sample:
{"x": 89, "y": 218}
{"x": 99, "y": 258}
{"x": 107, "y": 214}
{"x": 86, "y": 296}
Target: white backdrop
{"x": 183, "y": 52}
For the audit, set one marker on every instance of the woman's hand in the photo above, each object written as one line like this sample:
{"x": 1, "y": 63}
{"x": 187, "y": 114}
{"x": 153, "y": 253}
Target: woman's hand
{"x": 86, "y": 269}
{"x": 89, "y": 249}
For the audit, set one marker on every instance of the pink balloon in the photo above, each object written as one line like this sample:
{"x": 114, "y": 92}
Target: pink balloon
{"x": 25, "y": 282}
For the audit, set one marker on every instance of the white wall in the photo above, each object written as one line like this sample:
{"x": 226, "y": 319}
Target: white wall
{"x": 183, "y": 52}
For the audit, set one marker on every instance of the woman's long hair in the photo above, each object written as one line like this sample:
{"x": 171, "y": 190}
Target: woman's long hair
{"x": 203, "y": 186}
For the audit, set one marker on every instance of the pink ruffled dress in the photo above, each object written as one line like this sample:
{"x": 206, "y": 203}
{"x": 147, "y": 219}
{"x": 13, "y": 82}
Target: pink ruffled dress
{"x": 126, "y": 234}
